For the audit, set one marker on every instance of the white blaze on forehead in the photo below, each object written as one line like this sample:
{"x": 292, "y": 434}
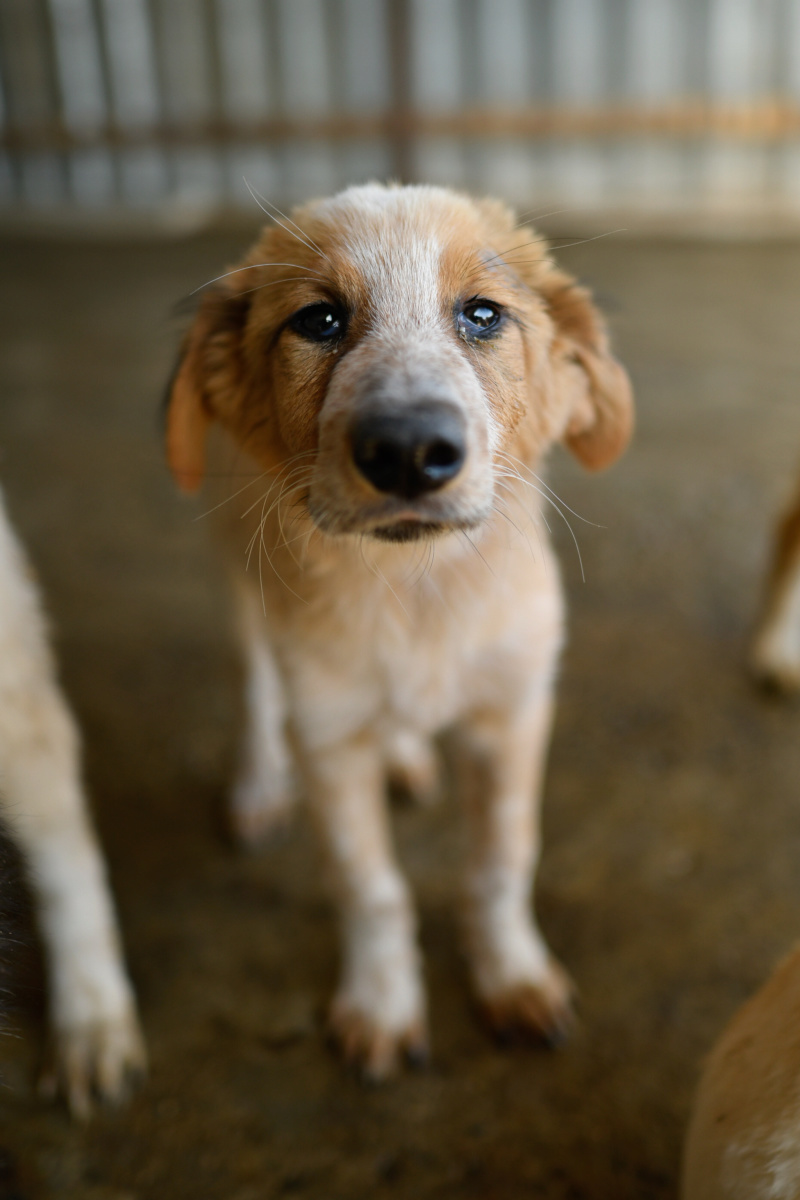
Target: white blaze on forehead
{"x": 386, "y": 235}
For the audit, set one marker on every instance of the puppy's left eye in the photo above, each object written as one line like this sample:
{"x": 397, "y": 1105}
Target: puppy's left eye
{"x": 479, "y": 318}
{"x": 319, "y": 322}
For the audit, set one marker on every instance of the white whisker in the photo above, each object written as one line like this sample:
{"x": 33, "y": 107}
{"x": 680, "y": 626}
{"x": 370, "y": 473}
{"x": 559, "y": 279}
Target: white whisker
{"x": 273, "y": 283}
{"x": 513, "y": 459}
{"x": 465, "y": 534}
{"x": 583, "y": 241}
{"x": 560, "y": 512}
{"x": 243, "y": 488}
{"x": 252, "y": 267}
{"x": 300, "y": 236}
{"x": 376, "y": 571}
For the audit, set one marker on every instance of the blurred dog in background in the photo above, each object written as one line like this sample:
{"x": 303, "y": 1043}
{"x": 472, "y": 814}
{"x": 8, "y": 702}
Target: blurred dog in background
{"x": 742, "y": 1138}
{"x": 388, "y": 368}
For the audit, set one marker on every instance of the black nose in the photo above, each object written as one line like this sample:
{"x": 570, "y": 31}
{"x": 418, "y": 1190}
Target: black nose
{"x": 405, "y": 453}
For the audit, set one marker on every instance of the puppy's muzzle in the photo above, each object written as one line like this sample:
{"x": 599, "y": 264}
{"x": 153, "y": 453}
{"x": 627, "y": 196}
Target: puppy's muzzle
{"x": 407, "y": 453}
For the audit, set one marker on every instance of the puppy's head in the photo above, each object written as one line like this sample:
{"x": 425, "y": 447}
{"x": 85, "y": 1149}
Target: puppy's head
{"x": 396, "y": 344}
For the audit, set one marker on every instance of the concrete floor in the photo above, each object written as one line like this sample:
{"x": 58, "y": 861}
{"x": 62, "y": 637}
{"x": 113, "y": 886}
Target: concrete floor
{"x": 670, "y": 879}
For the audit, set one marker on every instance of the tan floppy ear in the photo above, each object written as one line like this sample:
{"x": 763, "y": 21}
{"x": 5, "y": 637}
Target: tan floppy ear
{"x": 201, "y": 366}
{"x": 187, "y": 422}
{"x": 598, "y": 391}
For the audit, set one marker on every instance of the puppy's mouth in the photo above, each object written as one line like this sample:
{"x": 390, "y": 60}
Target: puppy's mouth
{"x": 409, "y": 531}
{"x": 396, "y": 526}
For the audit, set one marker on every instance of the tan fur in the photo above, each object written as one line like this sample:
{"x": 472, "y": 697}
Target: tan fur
{"x": 744, "y": 1137}
{"x": 776, "y": 648}
{"x": 361, "y": 651}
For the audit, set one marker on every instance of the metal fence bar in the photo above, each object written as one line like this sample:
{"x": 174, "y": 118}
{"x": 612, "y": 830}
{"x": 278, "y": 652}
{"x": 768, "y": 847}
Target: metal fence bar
{"x": 83, "y": 107}
{"x": 31, "y": 100}
{"x": 149, "y": 103}
{"x": 134, "y": 99}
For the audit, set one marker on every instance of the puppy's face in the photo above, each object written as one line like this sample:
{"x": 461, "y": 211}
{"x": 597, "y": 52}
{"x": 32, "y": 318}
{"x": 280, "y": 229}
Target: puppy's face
{"x": 390, "y": 350}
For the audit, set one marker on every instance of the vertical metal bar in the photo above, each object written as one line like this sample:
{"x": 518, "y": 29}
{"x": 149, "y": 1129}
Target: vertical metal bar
{"x": 359, "y": 51}
{"x": 107, "y": 80}
{"x": 400, "y": 43}
{"x": 8, "y": 188}
{"x": 581, "y": 167}
{"x": 502, "y": 74}
{"x": 790, "y": 165}
{"x": 186, "y": 68}
{"x": 246, "y": 93}
{"x": 654, "y": 169}
{"x": 134, "y": 97}
{"x": 84, "y": 106}
{"x": 438, "y": 41}
{"x": 306, "y": 91}
{"x": 31, "y": 97}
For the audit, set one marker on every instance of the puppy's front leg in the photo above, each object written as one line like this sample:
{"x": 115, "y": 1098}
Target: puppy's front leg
{"x": 517, "y": 983}
{"x": 378, "y": 1012}
{"x": 263, "y": 793}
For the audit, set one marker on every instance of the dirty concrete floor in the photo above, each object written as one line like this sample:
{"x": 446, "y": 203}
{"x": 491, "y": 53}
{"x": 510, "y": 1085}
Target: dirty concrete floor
{"x": 670, "y": 880}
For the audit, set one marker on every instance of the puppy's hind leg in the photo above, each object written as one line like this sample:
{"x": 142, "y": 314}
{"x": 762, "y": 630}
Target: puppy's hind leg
{"x": 519, "y": 986}
{"x": 775, "y": 656}
{"x": 264, "y": 791}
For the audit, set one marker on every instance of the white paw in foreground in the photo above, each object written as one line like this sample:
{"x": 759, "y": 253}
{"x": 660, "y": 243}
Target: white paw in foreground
{"x": 100, "y": 1061}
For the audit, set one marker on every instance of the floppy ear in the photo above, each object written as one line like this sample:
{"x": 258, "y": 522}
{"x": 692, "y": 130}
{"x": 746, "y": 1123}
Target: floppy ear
{"x": 598, "y": 391}
{"x": 187, "y": 421}
{"x": 206, "y": 357}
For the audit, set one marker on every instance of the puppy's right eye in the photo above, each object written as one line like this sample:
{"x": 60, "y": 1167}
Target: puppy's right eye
{"x": 319, "y": 322}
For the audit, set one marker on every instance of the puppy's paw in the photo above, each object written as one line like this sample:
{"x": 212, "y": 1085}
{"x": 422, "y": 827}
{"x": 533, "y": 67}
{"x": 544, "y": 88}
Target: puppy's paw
{"x": 100, "y": 1060}
{"x": 256, "y": 815}
{"x": 540, "y": 1008}
{"x": 375, "y": 1050}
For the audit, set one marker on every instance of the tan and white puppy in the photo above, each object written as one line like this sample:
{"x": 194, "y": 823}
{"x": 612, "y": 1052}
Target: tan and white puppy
{"x": 97, "y": 1043}
{"x": 775, "y": 655}
{"x": 390, "y": 365}
{"x": 744, "y": 1137}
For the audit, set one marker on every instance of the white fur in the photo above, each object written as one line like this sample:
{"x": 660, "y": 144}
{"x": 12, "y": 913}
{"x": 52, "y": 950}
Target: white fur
{"x": 766, "y": 1166}
{"x": 91, "y": 1002}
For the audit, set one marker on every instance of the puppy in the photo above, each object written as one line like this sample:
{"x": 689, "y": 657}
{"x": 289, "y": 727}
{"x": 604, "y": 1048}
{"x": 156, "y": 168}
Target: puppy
{"x": 390, "y": 365}
{"x": 776, "y": 649}
{"x": 97, "y": 1044}
{"x": 743, "y": 1138}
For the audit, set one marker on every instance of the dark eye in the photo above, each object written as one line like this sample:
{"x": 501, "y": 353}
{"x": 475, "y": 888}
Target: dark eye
{"x": 479, "y": 318}
{"x": 319, "y": 322}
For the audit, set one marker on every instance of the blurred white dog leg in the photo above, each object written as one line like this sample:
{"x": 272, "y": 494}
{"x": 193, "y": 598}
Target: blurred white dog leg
{"x": 97, "y": 1038}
